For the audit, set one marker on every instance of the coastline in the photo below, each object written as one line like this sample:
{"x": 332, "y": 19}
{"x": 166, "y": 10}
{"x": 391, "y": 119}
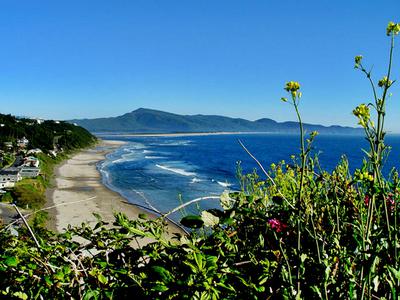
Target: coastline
{"x": 182, "y": 134}
{"x": 78, "y": 192}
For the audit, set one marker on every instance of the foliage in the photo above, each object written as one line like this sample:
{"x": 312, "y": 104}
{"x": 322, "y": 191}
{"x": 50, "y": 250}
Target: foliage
{"x": 299, "y": 234}
{"x": 46, "y": 135}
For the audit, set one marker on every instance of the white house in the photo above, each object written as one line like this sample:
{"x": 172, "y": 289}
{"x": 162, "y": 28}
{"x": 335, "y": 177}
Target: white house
{"x": 29, "y": 172}
{"x": 9, "y": 176}
{"x": 34, "y": 151}
{"x": 31, "y": 161}
{"x": 22, "y": 143}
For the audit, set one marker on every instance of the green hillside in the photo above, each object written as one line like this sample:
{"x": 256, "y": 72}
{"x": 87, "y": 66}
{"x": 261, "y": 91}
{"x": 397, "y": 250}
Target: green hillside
{"x": 44, "y": 134}
{"x": 145, "y": 120}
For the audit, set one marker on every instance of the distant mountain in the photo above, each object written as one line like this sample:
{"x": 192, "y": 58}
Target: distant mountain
{"x": 145, "y": 120}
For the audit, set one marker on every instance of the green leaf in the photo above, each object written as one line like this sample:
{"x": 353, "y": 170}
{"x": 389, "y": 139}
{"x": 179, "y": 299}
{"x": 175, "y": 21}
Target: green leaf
{"x": 103, "y": 279}
{"x": 209, "y": 219}
{"x": 11, "y": 261}
{"x": 20, "y": 295}
{"x": 91, "y": 294}
{"x": 394, "y": 272}
{"x": 192, "y": 221}
{"x": 160, "y": 288}
{"x": 142, "y": 216}
{"x": 375, "y": 281}
{"x": 226, "y": 201}
{"x": 162, "y": 273}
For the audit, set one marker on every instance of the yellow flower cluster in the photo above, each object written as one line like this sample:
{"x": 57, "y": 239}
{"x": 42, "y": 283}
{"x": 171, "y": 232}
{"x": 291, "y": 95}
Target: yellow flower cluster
{"x": 363, "y": 175}
{"x": 385, "y": 82}
{"x": 293, "y": 87}
{"x": 357, "y": 61}
{"x": 363, "y": 114}
{"x": 393, "y": 28}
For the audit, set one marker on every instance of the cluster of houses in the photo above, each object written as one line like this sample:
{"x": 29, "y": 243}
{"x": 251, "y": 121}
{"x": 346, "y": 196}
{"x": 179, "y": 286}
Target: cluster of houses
{"x": 25, "y": 166}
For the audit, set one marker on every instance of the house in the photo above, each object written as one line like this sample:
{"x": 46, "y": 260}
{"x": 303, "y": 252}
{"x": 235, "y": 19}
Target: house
{"x": 29, "y": 172}
{"x": 34, "y": 151}
{"x": 9, "y": 176}
{"x": 22, "y": 143}
{"x": 31, "y": 161}
{"x": 8, "y": 145}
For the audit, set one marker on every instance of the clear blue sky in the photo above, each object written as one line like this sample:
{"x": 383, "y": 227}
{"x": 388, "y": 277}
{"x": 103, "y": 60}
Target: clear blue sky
{"x": 76, "y": 59}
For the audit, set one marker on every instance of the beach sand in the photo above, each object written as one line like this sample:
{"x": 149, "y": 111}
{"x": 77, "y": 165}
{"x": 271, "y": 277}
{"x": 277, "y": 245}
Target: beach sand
{"x": 78, "y": 192}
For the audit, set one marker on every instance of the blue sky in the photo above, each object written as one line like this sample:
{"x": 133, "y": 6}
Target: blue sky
{"x": 76, "y": 59}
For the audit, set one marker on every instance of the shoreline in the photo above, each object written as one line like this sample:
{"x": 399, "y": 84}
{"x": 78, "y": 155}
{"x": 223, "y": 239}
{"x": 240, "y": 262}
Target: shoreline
{"x": 179, "y": 134}
{"x": 188, "y": 134}
{"x": 78, "y": 191}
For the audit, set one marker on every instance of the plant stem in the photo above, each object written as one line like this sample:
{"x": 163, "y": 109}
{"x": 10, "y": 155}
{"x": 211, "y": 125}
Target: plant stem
{"x": 302, "y": 171}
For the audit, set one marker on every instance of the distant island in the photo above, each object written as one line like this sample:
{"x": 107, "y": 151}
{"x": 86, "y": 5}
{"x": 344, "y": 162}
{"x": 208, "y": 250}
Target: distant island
{"x": 147, "y": 121}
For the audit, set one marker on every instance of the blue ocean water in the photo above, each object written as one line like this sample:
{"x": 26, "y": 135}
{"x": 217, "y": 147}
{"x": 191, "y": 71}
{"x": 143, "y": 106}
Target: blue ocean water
{"x": 162, "y": 172}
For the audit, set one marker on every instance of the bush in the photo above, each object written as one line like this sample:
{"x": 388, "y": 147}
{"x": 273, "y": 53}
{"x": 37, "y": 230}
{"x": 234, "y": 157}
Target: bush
{"x": 27, "y": 195}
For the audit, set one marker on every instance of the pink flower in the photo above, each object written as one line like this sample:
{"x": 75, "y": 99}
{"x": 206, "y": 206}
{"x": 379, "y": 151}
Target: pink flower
{"x": 366, "y": 200}
{"x": 390, "y": 201}
{"x": 277, "y": 225}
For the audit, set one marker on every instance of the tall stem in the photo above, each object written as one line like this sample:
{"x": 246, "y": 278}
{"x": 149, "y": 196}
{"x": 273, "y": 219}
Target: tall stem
{"x": 303, "y": 165}
{"x": 303, "y": 154}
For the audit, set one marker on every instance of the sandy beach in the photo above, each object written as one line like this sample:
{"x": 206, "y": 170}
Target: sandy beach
{"x": 78, "y": 191}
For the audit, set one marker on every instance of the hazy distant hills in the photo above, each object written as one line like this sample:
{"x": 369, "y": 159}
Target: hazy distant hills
{"x": 145, "y": 120}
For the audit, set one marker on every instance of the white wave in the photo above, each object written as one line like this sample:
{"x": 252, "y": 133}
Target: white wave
{"x": 194, "y": 180}
{"x": 153, "y": 157}
{"x": 224, "y": 184}
{"x": 147, "y": 151}
{"x": 176, "y": 170}
{"x": 105, "y": 175}
{"x": 178, "y": 143}
{"x": 125, "y": 158}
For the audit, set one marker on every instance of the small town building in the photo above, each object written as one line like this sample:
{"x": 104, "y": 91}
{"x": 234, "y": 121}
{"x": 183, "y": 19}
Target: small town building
{"x": 34, "y": 151}
{"x": 22, "y": 143}
{"x": 10, "y": 175}
{"x": 6, "y": 184}
{"x": 29, "y": 172}
{"x": 31, "y": 161}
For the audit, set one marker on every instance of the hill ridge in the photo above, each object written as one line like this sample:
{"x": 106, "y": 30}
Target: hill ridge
{"x": 144, "y": 120}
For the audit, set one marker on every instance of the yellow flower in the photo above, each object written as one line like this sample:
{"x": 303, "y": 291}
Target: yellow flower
{"x": 292, "y": 86}
{"x": 363, "y": 114}
{"x": 385, "y": 82}
{"x": 393, "y": 28}
{"x": 357, "y": 61}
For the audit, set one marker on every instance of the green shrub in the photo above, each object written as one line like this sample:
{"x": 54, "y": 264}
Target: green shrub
{"x": 27, "y": 195}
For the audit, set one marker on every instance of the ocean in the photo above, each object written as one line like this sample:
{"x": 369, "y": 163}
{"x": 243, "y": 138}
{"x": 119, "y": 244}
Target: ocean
{"x": 162, "y": 172}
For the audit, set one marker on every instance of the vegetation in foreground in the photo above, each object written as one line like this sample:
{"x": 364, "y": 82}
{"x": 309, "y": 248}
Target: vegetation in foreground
{"x": 299, "y": 234}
